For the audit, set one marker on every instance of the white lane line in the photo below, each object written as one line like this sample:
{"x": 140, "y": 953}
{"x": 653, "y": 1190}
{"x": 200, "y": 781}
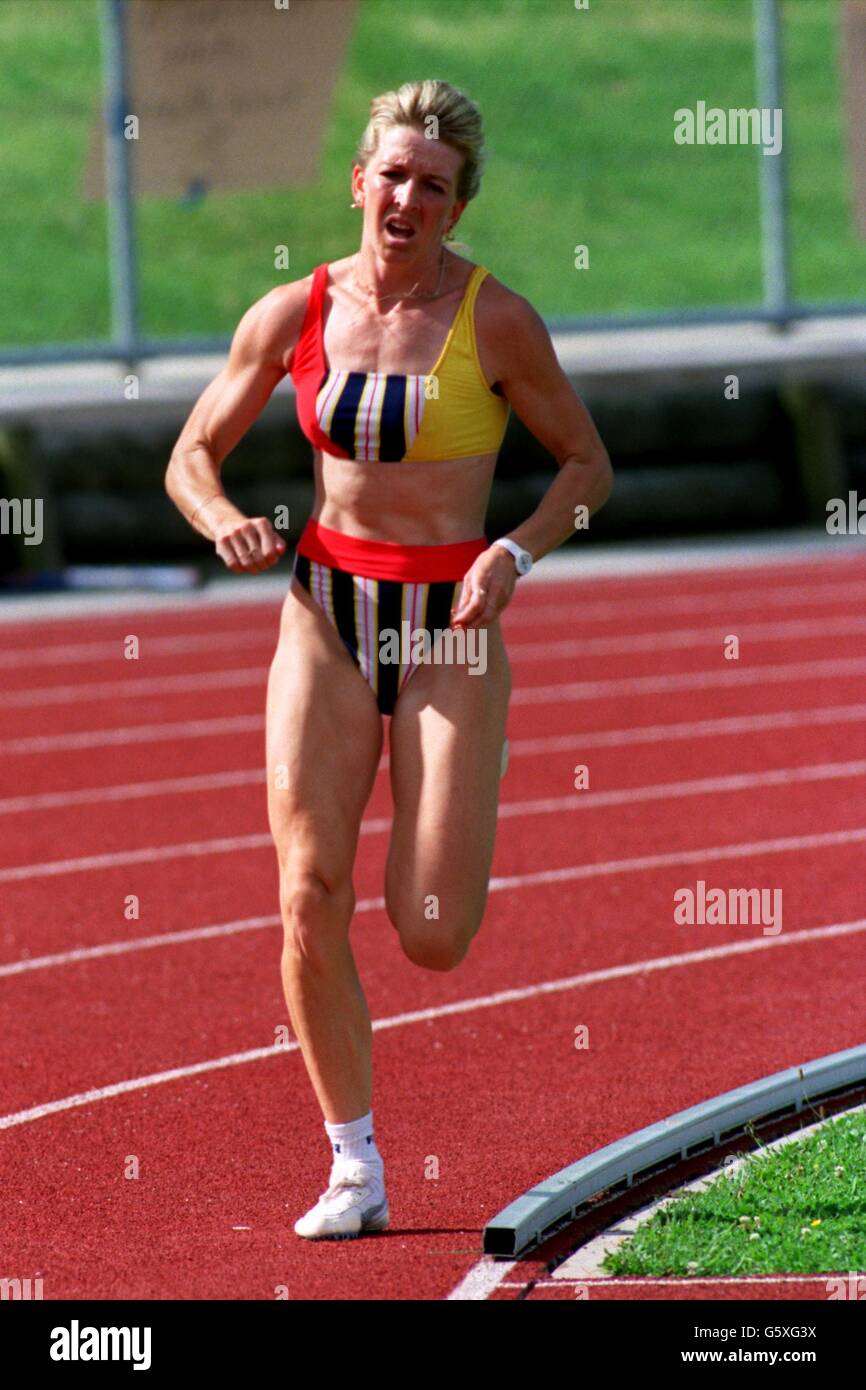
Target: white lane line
{"x": 692, "y": 638}
{"x": 600, "y": 738}
{"x": 769, "y": 551}
{"x": 824, "y": 668}
{"x": 688, "y": 729}
{"x": 482, "y": 1279}
{"x": 145, "y": 943}
{"x": 152, "y": 855}
{"x": 586, "y": 800}
{"x": 673, "y": 860}
{"x": 133, "y": 688}
{"x": 131, "y": 791}
{"x": 140, "y": 1083}
{"x": 829, "y": 669}
{"x": 134, "y": 733}
{"x": 71, "y": 609}
{"x": 575, "y": 801}
{"x": 460, "y": 1006}
{"x": 70, "y": 653}
{"x": 699, "y": 786}
{"x": 583, "y": 609}
{"x": 691, "y": 1282}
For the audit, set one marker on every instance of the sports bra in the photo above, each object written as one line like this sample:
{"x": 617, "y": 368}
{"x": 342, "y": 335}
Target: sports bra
{"x": 448, "y": 413}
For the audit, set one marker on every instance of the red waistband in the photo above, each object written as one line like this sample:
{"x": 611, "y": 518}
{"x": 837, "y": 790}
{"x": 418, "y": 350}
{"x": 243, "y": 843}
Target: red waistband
{"x": 414, "y": 564}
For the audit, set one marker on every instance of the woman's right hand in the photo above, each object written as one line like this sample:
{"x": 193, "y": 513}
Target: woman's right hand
{"x": 250, "y": 545}
{"x": 246, "y": 545}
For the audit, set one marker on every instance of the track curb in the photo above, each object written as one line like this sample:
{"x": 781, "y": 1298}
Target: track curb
{"x": 559, "y": 1199}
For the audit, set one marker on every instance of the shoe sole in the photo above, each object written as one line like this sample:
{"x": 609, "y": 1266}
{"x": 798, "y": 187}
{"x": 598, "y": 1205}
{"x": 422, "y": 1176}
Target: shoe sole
{"x": 371, "y": 1222}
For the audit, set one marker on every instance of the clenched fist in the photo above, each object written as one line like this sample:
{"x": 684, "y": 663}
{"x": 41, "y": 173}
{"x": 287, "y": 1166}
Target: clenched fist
{"x": 249, "y": 545}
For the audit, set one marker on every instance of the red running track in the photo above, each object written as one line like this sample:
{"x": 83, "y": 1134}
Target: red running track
{"x": 150, "y": 1040}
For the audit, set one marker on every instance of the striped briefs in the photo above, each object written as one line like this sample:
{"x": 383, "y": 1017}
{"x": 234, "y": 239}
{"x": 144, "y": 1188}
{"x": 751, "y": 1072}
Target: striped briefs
{"x": 365, "y": 611}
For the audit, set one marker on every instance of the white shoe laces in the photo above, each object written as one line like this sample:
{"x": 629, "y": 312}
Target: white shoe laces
{"x": 349, "y": 1175}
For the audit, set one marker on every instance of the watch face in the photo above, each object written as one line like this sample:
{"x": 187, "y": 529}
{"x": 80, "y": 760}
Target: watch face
{"x": 524, "y": 564}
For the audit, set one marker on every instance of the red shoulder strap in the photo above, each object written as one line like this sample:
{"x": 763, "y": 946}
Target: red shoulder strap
{"x": 308, "y": 354}
{"x": 317, "y": 291}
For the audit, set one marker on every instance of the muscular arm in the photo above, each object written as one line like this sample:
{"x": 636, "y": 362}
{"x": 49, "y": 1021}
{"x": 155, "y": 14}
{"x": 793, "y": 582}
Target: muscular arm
{"x": 543, "y": 398}
{"x": 541, "y": 395}
{"x": 258, "y": 360}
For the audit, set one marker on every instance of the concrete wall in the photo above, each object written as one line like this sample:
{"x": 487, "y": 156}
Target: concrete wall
{"x": 685, "y": 460}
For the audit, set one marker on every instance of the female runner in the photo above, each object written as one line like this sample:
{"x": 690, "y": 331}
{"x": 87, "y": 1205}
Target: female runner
{"x": 406, "y": 359}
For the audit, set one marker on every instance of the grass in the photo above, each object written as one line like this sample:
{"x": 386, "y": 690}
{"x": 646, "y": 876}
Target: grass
{"x": 799, "y": 1209}
{"x": 578, "y": 110}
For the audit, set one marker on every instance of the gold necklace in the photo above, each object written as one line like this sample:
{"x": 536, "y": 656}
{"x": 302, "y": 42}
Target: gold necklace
{"x": 411, "y": 294}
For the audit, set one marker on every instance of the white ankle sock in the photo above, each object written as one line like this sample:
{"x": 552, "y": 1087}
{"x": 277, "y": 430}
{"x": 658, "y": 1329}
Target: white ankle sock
{"x": 354, "y": 1141}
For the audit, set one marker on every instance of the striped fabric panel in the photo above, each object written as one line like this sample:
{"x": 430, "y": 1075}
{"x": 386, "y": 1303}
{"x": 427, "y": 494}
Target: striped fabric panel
{"x": 439, "y": 604}
{"x": 414, "y": 410}
{"x": 342, "y": 611}
{"x": 413, "y": 609}
{"x": 371, "y": 416}
{"x": 394, "y": 435}
{"x": 333, "y": 591}
{"x": 361, "y": 609}
{"x": 327, "y": 399}
{"x": 367, "y": 629}
{"x": 368, "y": 417}
{"x": 327, "y": 584}
{"x": 389, "y": 615}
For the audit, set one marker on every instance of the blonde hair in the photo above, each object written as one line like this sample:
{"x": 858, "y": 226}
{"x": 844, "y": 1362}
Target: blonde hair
{"x": 455, "y": 119}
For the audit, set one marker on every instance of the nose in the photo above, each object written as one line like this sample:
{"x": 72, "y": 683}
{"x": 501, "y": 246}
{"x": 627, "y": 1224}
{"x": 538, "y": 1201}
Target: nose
{"x": 406, "y": 195}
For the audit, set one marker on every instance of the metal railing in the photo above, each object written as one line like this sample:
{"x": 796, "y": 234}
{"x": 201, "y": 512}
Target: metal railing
{"x": 126, "y": 344}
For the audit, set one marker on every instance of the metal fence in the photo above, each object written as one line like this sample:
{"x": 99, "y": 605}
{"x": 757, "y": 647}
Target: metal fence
{"x": 127, "y": 343}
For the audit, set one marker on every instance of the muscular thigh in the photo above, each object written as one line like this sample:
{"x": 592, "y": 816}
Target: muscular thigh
{"x": 324, "y": 738}
{"x": 447, "y": 735}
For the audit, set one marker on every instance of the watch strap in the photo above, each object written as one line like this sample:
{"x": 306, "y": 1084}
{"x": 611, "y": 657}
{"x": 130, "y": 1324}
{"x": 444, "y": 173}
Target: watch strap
{"x": 514, "y": 549}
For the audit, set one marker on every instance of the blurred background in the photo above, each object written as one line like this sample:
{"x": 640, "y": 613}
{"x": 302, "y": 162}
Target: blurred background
{"x": 714, "y": 321}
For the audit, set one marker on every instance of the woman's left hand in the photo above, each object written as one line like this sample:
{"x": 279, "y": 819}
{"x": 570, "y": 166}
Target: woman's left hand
{"x": 487, "y": 589}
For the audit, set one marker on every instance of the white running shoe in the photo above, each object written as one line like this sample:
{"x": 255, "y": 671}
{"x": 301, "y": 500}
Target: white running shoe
{"x": 354, "y": 1202}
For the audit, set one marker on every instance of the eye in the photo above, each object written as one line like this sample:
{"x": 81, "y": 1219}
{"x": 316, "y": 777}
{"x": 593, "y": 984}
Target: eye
{"x": 398, "y": 173}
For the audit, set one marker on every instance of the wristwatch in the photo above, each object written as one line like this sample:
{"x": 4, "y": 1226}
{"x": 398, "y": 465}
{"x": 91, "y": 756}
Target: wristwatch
{"x": 522, "y": 558}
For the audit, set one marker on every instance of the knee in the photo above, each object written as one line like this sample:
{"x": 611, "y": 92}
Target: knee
{"x": 436, "y": 953}
{"x": 433, "y": 945}
{"x": 316, "y": 915}
{"x": 437, "y": 942}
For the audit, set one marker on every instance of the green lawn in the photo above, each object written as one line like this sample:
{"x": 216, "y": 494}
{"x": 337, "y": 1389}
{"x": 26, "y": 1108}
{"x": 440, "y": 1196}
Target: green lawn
{"x": 796, "y": 1210}
{"x": 578, "y": 109}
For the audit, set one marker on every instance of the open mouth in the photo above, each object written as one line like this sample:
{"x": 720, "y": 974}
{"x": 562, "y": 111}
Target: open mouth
{"x": 400, "y": 230}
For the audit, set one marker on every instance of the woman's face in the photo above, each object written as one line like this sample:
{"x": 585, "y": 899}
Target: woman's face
{"x": 412, "y": 181}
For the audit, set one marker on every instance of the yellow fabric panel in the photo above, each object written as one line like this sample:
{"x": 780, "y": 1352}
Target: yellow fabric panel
{"x": 462, "y": 416}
